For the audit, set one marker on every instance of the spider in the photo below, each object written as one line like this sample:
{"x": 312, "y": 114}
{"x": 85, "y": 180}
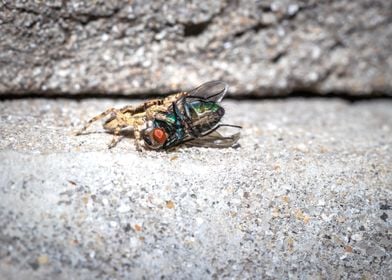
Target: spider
{"x": 132, "y": 117}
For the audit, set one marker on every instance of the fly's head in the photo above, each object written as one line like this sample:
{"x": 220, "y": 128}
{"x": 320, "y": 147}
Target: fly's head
{"x": 155, "y": 135}
{"x": 163, "y": 134}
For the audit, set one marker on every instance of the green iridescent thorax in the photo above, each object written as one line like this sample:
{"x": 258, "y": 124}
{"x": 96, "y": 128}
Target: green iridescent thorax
{"x": 171, "y": 118}
{"x": 204, "y": 107}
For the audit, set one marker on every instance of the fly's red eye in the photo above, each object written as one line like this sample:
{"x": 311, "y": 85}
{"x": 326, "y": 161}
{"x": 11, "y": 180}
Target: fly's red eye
{"x": 159, "y": 135}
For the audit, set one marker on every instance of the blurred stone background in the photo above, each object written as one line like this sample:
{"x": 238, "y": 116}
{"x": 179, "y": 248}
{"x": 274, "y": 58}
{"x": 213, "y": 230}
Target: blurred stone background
{"x": 140, "y": 47}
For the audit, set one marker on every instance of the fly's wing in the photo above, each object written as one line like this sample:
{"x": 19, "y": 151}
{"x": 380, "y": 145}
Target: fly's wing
{"x": 210, "y": 91}
{"x": 215, "y": 140}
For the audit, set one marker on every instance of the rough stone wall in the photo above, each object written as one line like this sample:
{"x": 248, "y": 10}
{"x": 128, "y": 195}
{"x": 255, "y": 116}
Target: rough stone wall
{"x": 258, "y": 47}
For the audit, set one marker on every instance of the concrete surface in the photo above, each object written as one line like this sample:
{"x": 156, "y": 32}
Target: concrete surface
{"x": 307, "y": 195}
{"x": 132, "y": 47}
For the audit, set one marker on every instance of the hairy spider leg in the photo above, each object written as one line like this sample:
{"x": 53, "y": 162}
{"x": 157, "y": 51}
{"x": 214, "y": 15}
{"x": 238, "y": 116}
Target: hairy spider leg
{"x": 96, "y": 118}
{"x": 116, "y": 138}
{"x": 126, "y": 109}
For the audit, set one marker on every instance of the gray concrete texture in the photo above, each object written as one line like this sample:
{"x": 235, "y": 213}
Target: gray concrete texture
{"x": 138, "y": 47}
{"x": 306, "y": 195}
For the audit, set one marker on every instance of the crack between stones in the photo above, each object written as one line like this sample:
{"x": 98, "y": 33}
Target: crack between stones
{"x": 255, "y": 28}
{"x": 305, "y": 93}
{"x": 195, "y": 29}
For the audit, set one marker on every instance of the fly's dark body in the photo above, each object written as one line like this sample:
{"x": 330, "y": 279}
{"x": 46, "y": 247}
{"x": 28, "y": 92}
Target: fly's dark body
{"x": 192, "y": 116}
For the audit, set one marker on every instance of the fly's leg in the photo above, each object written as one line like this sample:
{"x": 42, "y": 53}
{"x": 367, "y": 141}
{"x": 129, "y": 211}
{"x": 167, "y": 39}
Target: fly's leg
{"x": 96, "y": 118}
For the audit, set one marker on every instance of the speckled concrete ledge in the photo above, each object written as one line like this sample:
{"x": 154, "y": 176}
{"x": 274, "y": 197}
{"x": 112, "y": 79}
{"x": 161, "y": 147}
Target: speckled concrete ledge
{"x": 306, "y": 195}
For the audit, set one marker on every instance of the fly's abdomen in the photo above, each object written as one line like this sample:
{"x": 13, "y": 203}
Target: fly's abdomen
{"x": 205, "y": 116}
{"x": 202, "y": 107}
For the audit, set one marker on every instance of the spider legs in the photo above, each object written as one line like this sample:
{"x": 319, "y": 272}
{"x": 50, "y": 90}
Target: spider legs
{"x": 96, "y": 118}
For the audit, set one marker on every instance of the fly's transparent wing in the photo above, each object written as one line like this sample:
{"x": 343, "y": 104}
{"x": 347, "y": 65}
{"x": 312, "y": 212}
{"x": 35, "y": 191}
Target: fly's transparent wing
{"x": 215, "y": 140}
{"x": 210, "y": 91}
